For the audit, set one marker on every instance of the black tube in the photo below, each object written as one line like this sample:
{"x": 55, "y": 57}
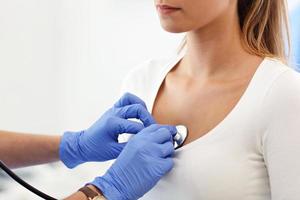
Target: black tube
{"x": 23, "y": 183}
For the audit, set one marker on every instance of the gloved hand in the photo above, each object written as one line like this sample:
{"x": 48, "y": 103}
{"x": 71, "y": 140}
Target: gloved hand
{"x": 141, "y": 164}
{"x": 100, "y": 141}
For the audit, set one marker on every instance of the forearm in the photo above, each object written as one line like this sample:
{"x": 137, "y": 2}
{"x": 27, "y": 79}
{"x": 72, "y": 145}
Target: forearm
{"x": 19, "y": 150}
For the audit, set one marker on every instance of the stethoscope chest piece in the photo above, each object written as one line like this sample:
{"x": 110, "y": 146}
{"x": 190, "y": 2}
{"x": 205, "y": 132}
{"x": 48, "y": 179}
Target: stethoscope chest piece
{"x": 180, "y": 137}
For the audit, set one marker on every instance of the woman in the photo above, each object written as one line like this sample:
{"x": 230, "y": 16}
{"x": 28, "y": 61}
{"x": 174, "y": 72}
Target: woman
{"x": 229, "y": 85}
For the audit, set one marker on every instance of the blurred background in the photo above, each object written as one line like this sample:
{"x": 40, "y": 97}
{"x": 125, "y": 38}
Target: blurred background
{"x": 61, "y": 66}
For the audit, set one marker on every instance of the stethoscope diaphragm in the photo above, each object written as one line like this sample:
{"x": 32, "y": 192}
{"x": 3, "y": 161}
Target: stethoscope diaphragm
{"x": 180, "y": 137}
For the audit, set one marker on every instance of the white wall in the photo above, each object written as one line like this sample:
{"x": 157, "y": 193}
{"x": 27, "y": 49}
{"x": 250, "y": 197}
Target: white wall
{"x": 28, "y": 70}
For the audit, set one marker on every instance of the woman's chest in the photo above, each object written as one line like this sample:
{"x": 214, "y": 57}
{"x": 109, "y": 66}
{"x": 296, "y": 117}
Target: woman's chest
{"x": 214, "y": 170}
{"x": 200, "y": 109}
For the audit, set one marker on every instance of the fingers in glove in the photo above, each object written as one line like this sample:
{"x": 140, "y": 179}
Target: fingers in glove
{"x": 164, "y": 150}
{"x": 136, "y": 111}
{"x": 162, "y": 135}
{"x": 129, "y": 99}
{"x": 125, "y": 126}
{"x": 166, "y": 164}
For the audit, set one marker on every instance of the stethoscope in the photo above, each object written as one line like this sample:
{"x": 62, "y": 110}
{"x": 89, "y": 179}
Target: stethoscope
{"x": 180, "y": 137}
{"x": 178, "y": 141}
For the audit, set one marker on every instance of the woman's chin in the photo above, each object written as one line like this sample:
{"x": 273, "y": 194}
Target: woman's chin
{"x": 172, "y": 28}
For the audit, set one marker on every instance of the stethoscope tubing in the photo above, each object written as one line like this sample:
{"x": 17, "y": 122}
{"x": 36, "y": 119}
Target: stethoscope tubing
{"x": 23, "y": 183}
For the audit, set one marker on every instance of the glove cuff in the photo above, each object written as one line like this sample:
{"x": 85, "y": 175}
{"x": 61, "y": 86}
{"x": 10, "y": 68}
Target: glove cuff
{"x": 69, "y": 152}
{"x": 107, "y": 188}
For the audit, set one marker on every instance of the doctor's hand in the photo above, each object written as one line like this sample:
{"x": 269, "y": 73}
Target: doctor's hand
{"x": 100, "y": 141}
{"x": 142, "y": 163}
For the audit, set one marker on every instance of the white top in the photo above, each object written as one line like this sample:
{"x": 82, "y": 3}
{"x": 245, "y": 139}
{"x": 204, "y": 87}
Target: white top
{"x": 253, "y": 154}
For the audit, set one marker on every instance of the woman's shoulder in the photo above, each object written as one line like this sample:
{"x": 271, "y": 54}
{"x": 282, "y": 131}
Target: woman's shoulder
{"x": 280, "y": 111}
{"x": 150, "y": 67}
{"x": 284, "y": 89}
{"x": 144, "y": 76}
{"x": 288, "y": 79}
{"x": 279, "y": 102}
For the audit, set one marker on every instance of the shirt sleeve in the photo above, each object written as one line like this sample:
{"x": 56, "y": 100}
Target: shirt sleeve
{"x": 281, "y": 141}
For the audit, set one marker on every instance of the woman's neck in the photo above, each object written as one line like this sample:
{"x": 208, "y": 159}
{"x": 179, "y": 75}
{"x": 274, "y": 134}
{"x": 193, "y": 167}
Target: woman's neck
{"x": 216, "y": 50}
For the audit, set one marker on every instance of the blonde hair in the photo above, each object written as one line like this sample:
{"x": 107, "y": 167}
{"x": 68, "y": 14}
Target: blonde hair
{"x": 264, "y": 26}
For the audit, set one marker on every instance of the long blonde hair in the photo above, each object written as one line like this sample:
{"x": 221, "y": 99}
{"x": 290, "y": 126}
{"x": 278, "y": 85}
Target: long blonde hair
{"x": 264, "y": 26}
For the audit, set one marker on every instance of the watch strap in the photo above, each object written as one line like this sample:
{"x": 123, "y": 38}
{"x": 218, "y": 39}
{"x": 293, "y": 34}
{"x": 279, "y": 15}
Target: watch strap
{"x": 89, "y": 193}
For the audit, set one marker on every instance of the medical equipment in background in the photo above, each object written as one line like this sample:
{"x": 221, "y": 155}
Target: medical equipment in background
{"x": 179, "y": 139}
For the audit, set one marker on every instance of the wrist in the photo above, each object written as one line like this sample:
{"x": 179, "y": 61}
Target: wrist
{"x": 90, "y": 192}
{"x": 69, "y": 153}
{"x": 106, "y": 186}
{"x": 97, "y": 190}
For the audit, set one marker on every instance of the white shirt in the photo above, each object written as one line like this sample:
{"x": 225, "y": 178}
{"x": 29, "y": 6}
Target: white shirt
{"x": 253, "y": 154}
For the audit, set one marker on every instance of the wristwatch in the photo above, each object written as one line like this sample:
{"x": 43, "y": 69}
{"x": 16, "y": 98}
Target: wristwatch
{"x": 91, "y": 194}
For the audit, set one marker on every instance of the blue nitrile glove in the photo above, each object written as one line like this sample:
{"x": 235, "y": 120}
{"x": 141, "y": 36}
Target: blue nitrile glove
{"x": 142, "y": 163}
{"x": 100, "y": 141}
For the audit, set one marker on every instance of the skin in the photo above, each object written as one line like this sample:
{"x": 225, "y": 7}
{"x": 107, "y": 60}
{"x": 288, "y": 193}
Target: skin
{"x": 215, "y": 71}
{"x": 20, "y": 150}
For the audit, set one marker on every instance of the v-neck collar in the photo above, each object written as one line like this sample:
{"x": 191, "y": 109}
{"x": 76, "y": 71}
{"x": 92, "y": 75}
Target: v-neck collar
{"x": 211, "y": 133}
